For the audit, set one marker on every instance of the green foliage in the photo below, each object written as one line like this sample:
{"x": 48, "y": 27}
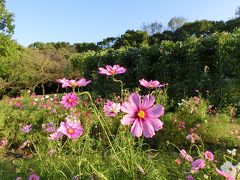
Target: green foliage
{"x": 6, "y": 20}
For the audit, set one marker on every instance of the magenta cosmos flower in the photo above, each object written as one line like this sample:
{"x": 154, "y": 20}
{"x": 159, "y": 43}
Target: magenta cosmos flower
{"x": 209, "y": 156}
{"x": 33, "y": 176}
{"x": 143, "y": 115}
{"x": 69, "y": 100}
{"x": 198, "y": 164}
{"x": 111, "y": 108}
{"x": 151, "y": 84}
{"x": 226, "y": 175}
{"x": 71, "y": 129}
{"x": 73, "y": 83}
{"x": 112, "y": 70}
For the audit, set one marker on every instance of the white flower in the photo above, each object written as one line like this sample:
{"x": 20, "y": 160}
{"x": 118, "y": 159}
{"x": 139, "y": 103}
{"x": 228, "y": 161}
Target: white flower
{"x": 232, "y": 152}
{"x": 228, "y": 168}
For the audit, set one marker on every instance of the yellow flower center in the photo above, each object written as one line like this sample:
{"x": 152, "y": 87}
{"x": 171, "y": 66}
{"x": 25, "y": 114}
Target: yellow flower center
{"x": 70, "y": 131}
{"x": 141, "y": 114}
{"x": 112, "y": 71}
{"x": 73, "y": 83}
{"x": 70, "y": 100}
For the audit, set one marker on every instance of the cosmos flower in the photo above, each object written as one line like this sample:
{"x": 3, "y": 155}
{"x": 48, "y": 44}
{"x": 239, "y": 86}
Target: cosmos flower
{"x": 33, "y": 176}
{"x": 26, "y": 128}
{"x": 111, "y": 108}
{"x": 198, "y": 164}
{"x": 112, "y": 70}
{"x": 224, "y": 174}
{"x": 143, "y": 114}
{"x": 209, "y": 156}
{"x": 69, "y": 100}
{"x": 185, "y": 155}
{"x": 55, "y": 136}
{"x": 71, "y": 129}
{"x": 151, "y": 84}
{"x": 73, "y": 83}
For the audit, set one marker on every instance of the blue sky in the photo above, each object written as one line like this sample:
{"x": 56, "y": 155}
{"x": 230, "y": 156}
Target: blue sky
{"x": 92, "y": 20}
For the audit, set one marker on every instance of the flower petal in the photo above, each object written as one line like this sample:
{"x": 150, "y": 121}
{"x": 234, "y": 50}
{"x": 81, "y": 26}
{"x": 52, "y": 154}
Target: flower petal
{"x": 148, "y": 130}
{"x": 156, "y": 123}
{"x": 135, "y": 100}
{"x": 128, "y": 108}
{"x": 136, "y": 129}
{"x": 127, "y": 119}
{"x": 147, "y": 101}
{"x": 155, "y": 111}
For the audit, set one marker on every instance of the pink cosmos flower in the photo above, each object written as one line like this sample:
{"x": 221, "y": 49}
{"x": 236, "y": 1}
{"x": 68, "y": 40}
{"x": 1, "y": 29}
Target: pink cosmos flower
{"x": 69, "y": 100}
{"x": 112, "y": 70}
{"x": 111, "y": 108}
{"x": 71, "y": 129}
{"x": 224, "y": 174}
{"x": 185, "y": 155}
{"x": 209, "y": 156}
{"x": 55, "y": 136}
{"x": 33, "y": 176}
{"x": 3, "y": 142}
{"x": 73, "y": 83}
{"x": 26, "y": 128}
{"x": 189, "y": 177}
{"x": 49, "y": 127}
{"x": 198, "y": 164}
{"x": 151, "y": 84}
{"x": 143, "y": 115}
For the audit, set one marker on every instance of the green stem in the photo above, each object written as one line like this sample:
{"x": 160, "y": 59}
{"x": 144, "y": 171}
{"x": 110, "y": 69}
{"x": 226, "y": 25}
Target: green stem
{"x": 121, "y": 83}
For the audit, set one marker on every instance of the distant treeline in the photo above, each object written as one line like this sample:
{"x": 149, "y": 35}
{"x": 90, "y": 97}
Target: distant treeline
{"x": 201, "y": 55}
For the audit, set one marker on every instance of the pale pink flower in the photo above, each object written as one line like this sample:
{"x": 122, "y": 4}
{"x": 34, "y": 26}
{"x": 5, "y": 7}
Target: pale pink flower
{"x": 143, "y": 115}
{"x": 209, "y": 156}
{"x": 26, "y": 128}
{"x": 224, "y": 174}
{"x": 33, "y": 176}
{"x": 69, "y": 100}
{"x": 198, "y": 164}
{"x": 55, "y": 136}
{"x": 151, "y": 84}
{"x": 112, "y": 70}
{"x": 73, "y": 83}
{"x": 64, "y": 82}
{"x": 185, "y": 155}
{"x": 111, "y": 108}
{"x": 3, "y": 142}
{"x": 49, "y": 127}
{"x": 25, "y": 144}
{"x": 71, "y": 129}
{"x": 192, "y": 137}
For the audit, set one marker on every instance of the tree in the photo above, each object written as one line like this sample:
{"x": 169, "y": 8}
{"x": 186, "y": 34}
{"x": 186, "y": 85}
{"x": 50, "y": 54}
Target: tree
{"x": 237, "y": 11}
{"x": 6, "y": 20}
{"x": 152, "y": 28}
{"x": 176, "y": 22}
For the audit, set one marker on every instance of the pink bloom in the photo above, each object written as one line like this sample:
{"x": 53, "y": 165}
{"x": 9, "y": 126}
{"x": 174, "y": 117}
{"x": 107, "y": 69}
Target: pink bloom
{"x": 69, "y": 100}
{"x": 81, "y": 82}
{"x": 181, "y": 125}
{"x": 73, "y": 83}
{"x": 55, "y": 136}
{"x": 193, "y": 137}
{"x": 209, "y": 156}
{"x": 186, "y": 156}
{"x": 64, "y": 82}
{"x": 189, "y": 177}
{"x": 178, "y": 161}
{"x": 143, "y": 115}
{"x": 49, "y": 127}
{"x": 198, "y": 164}
{"x": 150, "y": 84}
{"x": 26, "y": 128}
{"x": 71, "y": 129}
{"x": 227, "y": 176}
{"x": 33, "y": 176}
{"x": 3, "y": 142}
{"x": 111, "y": 108}
{"x": 18, "y": 104}
{"x": 112, "y": 70}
